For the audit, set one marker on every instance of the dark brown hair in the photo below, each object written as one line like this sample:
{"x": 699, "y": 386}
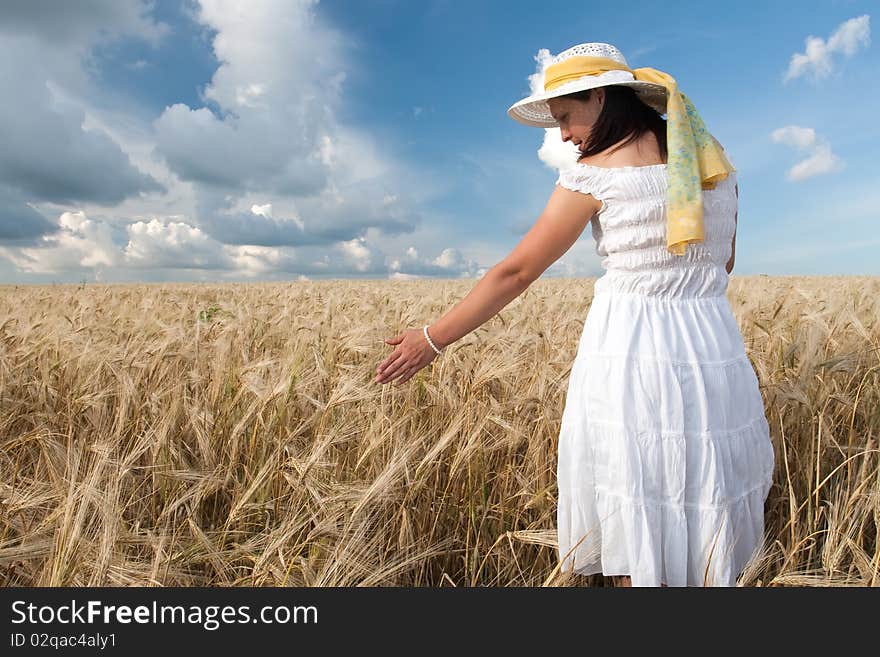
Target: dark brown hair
{"x": 623, "y": 115}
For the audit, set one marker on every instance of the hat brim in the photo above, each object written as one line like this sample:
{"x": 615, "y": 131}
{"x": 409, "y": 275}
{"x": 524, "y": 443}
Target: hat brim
{"x": 534, "y": 111}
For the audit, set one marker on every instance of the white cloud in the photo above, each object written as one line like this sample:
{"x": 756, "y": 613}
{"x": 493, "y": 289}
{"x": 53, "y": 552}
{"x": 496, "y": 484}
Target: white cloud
{"x": 278, "y": 87}
{"x": 262, "y": 210}
{"x": 555, "y": 153}
{"x": 170, "y": 247}
{"x": 820, "y": 162}
{"x": 820, "y": 159}
{"x": 276, "y": 94}
{"x": 358, "y": 253}
{"x": 258, "y": 260}
{"x": 793, "y": 135}
{"x": 449, "y": 258}
{"x": 536, "y": 79}
{"x": 175, "y": 245}
{"x": 817, "y": 56}
{"x": 264, "y": 182}
{"x": 49, "y": 154}
{"x": 55, "y": 158}
{"x": 80, "y": 244}
{"x": 850, "y": 35}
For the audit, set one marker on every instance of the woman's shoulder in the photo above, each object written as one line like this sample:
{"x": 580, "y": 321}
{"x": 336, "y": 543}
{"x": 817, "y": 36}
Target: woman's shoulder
{"x": 601, "y": 184}
{"x": 586, "y": 178}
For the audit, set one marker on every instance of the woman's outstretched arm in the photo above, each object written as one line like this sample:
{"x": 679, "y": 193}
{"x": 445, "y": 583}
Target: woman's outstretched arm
{"x": 497, "y": 288}
{"x": 563, "y": 220}
{"x": 560, "y": 224}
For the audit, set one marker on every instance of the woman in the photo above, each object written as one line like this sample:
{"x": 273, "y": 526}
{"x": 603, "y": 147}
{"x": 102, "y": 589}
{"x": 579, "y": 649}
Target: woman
{"x": 665, "y": 458}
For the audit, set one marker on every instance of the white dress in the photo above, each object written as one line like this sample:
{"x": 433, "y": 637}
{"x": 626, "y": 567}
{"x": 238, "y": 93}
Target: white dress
{"x": 665, "y": 458}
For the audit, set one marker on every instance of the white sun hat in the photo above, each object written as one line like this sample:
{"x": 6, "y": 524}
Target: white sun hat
{"x": 534, "y": 111}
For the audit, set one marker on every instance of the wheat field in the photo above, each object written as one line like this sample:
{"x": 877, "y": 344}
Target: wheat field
{"x": 232, "y": 434}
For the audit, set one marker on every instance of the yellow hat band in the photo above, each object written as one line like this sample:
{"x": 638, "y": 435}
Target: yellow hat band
{"x": 577, "y": 67}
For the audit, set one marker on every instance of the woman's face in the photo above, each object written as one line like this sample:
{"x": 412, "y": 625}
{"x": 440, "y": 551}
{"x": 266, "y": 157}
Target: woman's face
{"x": 576, "y": 118}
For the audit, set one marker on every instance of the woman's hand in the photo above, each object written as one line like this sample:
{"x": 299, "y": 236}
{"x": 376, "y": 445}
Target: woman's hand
{"x": 412, "y": 354}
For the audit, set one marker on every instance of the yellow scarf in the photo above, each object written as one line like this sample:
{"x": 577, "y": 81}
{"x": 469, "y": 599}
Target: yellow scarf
{"x": 696, "y": 160}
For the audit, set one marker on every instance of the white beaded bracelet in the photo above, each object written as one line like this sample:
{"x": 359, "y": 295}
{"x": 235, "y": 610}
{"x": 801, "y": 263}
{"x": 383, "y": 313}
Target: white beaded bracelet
{"x": 428, "y": 338}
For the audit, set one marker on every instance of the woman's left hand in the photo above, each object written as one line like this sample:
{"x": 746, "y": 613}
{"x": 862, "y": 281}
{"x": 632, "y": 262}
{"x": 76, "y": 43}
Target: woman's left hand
{"x": 412, "y": 354}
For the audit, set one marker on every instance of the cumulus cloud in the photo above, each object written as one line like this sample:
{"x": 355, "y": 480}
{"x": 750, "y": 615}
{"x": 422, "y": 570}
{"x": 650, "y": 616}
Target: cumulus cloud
{"x": 817, "y": 58}
{"x": 274, "y": 132}
{"x": 168, "y": 248}
{"x": 820, "y": 160}
{"x": 553, "y": 152}
{"x": 449, "y": 264}
{"x": 48, "y": 154}
{"x": 261, "y": 181}
{"x": 361, "y": 256}
{"x": 255, "y": 261}
{"x": 81, "y": 244}
{"x": 173, "y": 245}
{"x": 536, "y": 79}
{"x": 276, "y": 95}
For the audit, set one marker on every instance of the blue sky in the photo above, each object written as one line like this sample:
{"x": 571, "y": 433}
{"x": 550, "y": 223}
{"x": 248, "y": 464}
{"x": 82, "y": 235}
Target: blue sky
{"x": 283, "y": 140}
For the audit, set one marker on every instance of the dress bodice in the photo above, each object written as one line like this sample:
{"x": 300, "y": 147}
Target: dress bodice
{"x": 630, "y": 232}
